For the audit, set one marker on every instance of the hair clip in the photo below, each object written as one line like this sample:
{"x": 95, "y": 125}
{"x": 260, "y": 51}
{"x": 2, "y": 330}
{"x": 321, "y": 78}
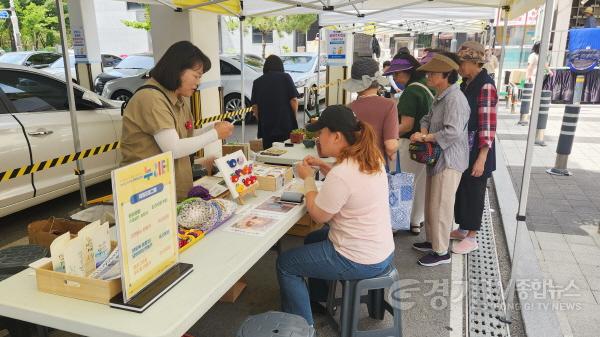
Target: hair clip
{"x": 240, "y": 160}
{"x": 231, "y": 163}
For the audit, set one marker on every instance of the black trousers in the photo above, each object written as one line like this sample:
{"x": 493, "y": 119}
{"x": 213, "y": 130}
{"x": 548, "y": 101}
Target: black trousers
{"x": 268, "y": 140}
{"x": 470, "y": 200}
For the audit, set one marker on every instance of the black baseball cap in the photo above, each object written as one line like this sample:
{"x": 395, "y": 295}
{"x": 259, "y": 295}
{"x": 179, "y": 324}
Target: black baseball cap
{"x": 336, "y": 118}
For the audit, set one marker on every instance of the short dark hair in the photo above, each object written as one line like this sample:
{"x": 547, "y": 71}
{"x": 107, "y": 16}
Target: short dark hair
{"x": 273, "y": 64}
{"x": 387, "y": 63}
{"x": 452, "y": 76}
{"x": 179, "y": 57}
{"x": 536, "y": 48}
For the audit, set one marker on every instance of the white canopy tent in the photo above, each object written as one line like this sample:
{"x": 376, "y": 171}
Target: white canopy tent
{"x": 365, "y": 11}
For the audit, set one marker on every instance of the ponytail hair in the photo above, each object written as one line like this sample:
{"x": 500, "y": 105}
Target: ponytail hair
{"x": 363, "y": 149}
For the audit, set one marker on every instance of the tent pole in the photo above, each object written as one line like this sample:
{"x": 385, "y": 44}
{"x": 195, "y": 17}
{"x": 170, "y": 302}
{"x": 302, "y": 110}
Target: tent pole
{"x": 500, "y": 84}
{"x": 71, "y": 99}
{"x": 242, "y": 71}
{"x": 318, "y": 71}
{"x": 524, "y": 193}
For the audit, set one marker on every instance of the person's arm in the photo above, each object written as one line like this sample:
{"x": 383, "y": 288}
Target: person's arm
{"x": 487, "y": 101}
{"x": 530, "y": 67}
{"x": 255, "y": 110}
{"x": 323, "y": 166}
{"x": 294, "y": 105}
{"x": 393, "y": 83}
{"x": 390, "y": 131}
{"x": 310, "y": 196}
{"x": 205, "y": 129}
{"x": 406, "y": 125}
{"x": 168, "y": 140}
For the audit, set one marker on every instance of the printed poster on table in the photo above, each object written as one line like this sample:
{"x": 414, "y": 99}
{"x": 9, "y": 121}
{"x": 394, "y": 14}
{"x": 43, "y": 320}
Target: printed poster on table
{"x": 336, "y": 48}
{"x": 145, "y": 209}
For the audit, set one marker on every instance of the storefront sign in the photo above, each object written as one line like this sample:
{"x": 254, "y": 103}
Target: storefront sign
{"x": 145, "y": 208}
{"x": 336, "y": 48}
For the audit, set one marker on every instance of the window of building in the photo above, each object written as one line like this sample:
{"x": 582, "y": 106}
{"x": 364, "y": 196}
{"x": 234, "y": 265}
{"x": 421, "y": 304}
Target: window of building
{"x": 257, "y": 36}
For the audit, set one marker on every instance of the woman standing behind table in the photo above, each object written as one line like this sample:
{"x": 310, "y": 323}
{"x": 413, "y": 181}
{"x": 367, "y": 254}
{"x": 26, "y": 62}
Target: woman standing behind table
{"x": 353, "y": 200}
{"x": 274, "y": 103}
{"x": 480, "y": 90}
{"x": 158, "y": 118}
{"x": 446, "y": 126}
{"x": 414, "y": 104}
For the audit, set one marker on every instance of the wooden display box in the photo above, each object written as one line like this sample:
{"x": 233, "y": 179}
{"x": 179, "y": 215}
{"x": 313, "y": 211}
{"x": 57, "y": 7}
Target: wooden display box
{"x": 231, "y": 148}
{"x": 82, "y": 288}
{"x": 43, "y": 232}
{"x": 272, "y": 183}
{"x": 304, "y": 226}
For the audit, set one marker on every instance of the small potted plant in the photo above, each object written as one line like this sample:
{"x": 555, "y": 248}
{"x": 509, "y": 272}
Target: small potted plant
{"x": 297, "y": 136}
{"x": 309, "y": 139}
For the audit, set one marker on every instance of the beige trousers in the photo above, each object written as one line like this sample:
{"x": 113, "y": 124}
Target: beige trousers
{"x": 440, "y": 192}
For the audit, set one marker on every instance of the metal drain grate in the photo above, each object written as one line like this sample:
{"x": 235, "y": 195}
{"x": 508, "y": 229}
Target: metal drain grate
{"x": 485, "y": 293}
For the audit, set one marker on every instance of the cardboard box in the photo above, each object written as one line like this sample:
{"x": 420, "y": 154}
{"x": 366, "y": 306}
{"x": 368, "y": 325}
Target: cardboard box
{"x": 231, "y": 148}
{"x": 43, "y": 232}
{"x": 272, "y": 177}
{"x": 304, "y": 226}
{"x": 256, "y": 145}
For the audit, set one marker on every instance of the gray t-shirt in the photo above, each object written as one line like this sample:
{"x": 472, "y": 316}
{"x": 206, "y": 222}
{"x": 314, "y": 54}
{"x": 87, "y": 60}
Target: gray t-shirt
{"x": 448, "y": 121}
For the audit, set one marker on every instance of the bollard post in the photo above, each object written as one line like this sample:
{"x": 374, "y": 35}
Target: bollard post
{"x": 545, "y": 102}
{"x": 306, "y": 100}
{"x": 565, "y": 141}
{"x": 578, "y": 91}
{"x": 526, "y": 103}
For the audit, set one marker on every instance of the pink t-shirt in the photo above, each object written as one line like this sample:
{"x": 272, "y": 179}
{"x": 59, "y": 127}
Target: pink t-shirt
{"x": 382, "y": 114}
{"x": 361, "y": 228}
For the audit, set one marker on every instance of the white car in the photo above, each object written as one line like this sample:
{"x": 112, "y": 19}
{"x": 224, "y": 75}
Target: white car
{"x": 303, "y": 67}
{"x": 35, "y": 126}
{"x": 58, "y": 67}
{"x": 124, "y": 88}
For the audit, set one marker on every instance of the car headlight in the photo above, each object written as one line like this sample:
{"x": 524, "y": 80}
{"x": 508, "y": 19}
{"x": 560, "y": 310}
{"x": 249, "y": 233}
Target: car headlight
{"x": 300, "y": 83}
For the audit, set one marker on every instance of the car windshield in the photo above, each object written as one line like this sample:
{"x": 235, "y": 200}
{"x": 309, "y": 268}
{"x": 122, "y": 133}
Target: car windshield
{"x": 254, "y": 62}
{"x": 136, "y": 62}
{"x": 298, "y": 64}
{"x": 60, "y": 63}
{"x": 13, "y": 58}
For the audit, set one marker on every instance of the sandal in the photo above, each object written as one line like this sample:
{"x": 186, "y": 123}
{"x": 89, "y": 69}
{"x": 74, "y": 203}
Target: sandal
{"x": 416, "y": 229}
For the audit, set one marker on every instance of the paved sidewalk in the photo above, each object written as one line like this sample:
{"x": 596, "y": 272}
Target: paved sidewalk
{"x": 563, "y": 216}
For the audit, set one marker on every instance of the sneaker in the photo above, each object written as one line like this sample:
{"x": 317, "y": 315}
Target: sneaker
{"x": 423, "y": 247}
{"x": 433, "y": 259}
{"x": 465, "y": 246}
{"x": 458, "y": 234}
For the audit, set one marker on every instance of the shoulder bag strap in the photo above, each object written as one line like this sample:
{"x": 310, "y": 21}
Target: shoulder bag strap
{"x": 424, "y": 87}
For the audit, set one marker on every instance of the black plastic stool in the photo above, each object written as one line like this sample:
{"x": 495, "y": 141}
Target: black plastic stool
{"x": 352, "y": 298}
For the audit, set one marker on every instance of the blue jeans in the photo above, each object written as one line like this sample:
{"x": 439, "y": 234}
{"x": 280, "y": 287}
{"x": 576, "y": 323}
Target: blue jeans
{"x": 319, "y": 261}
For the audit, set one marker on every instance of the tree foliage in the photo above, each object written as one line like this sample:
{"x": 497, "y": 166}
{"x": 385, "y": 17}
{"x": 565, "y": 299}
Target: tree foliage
{"x": 38, "y": 24}
{"x": 279, "y": 24}
{"x": 145, "y": 25}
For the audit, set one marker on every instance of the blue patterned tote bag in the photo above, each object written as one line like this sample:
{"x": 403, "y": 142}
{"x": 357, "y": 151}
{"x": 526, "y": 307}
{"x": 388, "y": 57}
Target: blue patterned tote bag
{"x": 401, "y": 197}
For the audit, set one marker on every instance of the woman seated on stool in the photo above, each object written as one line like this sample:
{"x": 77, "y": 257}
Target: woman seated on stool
{"x": 357, "y": 243}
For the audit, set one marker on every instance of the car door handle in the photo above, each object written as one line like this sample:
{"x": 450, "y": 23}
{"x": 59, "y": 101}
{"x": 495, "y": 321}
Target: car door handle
{"x": 40, "y": 132}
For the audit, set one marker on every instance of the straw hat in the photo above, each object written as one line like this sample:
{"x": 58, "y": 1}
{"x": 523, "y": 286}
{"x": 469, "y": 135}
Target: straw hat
{"x": 439, "y": 64}
{"x": 589, "y": 10}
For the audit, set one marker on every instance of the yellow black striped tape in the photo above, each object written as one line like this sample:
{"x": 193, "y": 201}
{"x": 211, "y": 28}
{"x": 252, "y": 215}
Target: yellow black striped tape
{"x": 50, "y": 163}
{"x": 62, "y": 160}
{"x": 327, "y": 85}
{"x": 223, "y": 116}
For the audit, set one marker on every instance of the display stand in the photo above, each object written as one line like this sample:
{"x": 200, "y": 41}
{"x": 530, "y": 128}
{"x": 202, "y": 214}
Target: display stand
{"x": 140, "y": 302}
{"x": 249, "y": 191}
